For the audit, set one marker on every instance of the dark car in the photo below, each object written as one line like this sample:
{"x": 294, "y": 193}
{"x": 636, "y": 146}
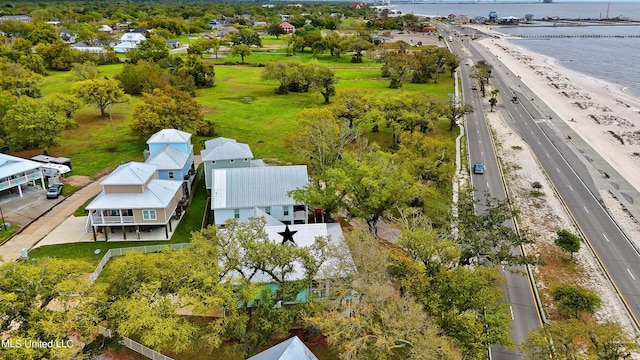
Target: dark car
{"x": 473, "y": 87}
{"x": 54, "y": 191}
{"x": 478, "y": 168}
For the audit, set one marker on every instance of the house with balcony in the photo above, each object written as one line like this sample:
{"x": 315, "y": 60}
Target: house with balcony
{"x": 16, "y": 172}
{"x": 134, "y": 199}
{"x": 171, "y": 151}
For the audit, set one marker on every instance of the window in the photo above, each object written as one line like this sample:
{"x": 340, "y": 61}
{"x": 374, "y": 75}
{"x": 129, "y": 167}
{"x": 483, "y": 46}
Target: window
{"x": 285, "y": 210}
{"x": 213, "y": 161}
{"x": 149, "y": 214}
{"x": 113, "y": 212}
{"x": 171, "y": 175}
{"x": 267, "y": 210}
{"x": 232, "y": 161}
{"x": 236, "y": 213}
{"x": 246, "y": 160}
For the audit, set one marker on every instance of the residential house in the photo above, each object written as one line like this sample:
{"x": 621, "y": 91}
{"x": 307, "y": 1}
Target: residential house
{"x": 80, "y": 46}
{"x": 222, "y": 153}
{"x": 129, "y": 41}
{"x": 303, "y": 236}
{"x": 259, "y": 23}
{"x": 236, "y": 191}
{"x": 20, "y": 18}
{"x": 134, "y": 199}
{"x": 287, "y": 28}
{"x": 290, "y": 349}
{"x": 16, "y": 172}
{"x": 173, "y": 44}
{"x": 67, "y": 36}
{"x": 171, "y": 151}
{"x": 105, "y": 29}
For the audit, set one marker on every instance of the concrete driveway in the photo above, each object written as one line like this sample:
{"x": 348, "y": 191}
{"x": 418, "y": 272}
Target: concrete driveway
{"x": 21, "y": 211}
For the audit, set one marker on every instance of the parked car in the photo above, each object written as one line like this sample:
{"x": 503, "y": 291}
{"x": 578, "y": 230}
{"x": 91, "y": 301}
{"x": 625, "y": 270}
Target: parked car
{"x": 473, "y": 87}
{"x": 54, "y": 191}
{"x": 478, "y": 168}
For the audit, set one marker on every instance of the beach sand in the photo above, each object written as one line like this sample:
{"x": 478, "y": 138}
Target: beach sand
{"x": 601, "y": 113}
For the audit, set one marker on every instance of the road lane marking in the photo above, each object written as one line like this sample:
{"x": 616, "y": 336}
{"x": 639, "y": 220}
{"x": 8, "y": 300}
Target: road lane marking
{"x": 570, "y": 188}
{"x": 585, "y": 209}
{"x": 630, "y": 274}
{"x": 539, "y": 143}
{"x": 511, "y": 307}
{"x": 558, "y": 170}
{"x": 548, "y": 156}
{"x": 605, "y": 237}
{"x": 487, "y": 184}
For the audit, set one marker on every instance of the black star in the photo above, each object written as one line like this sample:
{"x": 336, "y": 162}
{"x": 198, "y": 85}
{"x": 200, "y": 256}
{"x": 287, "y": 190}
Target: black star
{"x": 287, "y": 235}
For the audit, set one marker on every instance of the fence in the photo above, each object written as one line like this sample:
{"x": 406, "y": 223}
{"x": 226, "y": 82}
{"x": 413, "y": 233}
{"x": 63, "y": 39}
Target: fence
{"x": 123, "y": 251}
{"x": 134, "y": 345}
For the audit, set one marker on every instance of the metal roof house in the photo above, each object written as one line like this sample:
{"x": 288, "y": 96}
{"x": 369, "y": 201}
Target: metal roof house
{"x": 236, "y": 191}
{"x": 290, "y": 349}
{"x": 129, "y": 41}
{"x": 224, "y": 153}
{"x": 171, "y": 151}
{"x": 15, "y": 172}
{"x": 134, "y": 198}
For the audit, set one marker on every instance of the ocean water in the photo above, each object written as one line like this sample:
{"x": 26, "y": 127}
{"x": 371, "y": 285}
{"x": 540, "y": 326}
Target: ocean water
{"x": 612, "y": 59}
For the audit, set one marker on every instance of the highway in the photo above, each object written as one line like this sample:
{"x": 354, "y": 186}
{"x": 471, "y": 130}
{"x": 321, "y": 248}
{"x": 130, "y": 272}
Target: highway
{"x": 518, "y": 292}
{"x": 571, "y": 180}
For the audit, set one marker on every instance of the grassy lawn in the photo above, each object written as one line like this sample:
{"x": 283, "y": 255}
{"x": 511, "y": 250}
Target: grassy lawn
{"x": 6, "y": 233}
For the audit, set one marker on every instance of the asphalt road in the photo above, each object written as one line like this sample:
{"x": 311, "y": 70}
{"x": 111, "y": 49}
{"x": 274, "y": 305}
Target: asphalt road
{"x": 571, "y": 180}
{"x": 518, "y": 292}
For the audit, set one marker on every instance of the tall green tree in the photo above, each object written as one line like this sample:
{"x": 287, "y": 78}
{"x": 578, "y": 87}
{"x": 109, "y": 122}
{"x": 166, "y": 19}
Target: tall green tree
{"x": 573, "y": 300}
{"x": 99, "y": 92}
{"x": 322, "y": 138}
{"x": 456, "y": 111}
{"x": 30, "y": 123}
{"x": 241, "y": 50}
{"x": 144, "y": 76}
{"x": 494, "y": 98}
{"x": 568, "y": 241}
{"x": 574, "y": 339}
{"x": 153, "y": 48}
{"x": 247, "y": 36}
{"x": 484, "y": 238}
{"x": 27, "y": 291}
{"x": 19, "y": 81}
{"x": 168, "y": 108}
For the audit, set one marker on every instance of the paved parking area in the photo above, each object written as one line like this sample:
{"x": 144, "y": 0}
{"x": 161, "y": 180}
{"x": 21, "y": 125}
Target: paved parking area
{"x": 23, "y": 210}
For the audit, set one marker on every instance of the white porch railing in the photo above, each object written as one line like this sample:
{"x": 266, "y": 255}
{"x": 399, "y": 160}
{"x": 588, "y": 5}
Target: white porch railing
{"x": 97, "y": 219}
{"x": 19, "y": 180}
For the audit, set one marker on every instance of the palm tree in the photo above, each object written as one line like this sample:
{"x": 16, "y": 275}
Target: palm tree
{"x": 494, "y": 98}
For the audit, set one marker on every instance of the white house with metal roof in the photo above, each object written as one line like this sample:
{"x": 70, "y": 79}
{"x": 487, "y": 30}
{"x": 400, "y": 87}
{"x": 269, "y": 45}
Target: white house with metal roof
{"x": 133, "y": 199}
{"x": 16, "y": 172}
{"x": 171, "y": 151}
{"x": 129, "y": 41}
{"x": 236, "y": 191}
{"x": 224, "y": 153}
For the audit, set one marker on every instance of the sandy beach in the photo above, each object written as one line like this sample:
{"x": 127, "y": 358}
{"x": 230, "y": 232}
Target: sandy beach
{"x": 601, "y": 113}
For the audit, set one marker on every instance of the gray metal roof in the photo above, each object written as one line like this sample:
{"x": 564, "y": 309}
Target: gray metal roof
{"x": 169, "y": 136}
{"x": 11, "y": 165}
{"x": 290, "y": 349}
{"x": 168, "y": 158}
{"x": 225, "y": 149}
{"x": 157, "y": 194}
{"x": 256, "y": 186}
{"x": 131, "y": 173}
